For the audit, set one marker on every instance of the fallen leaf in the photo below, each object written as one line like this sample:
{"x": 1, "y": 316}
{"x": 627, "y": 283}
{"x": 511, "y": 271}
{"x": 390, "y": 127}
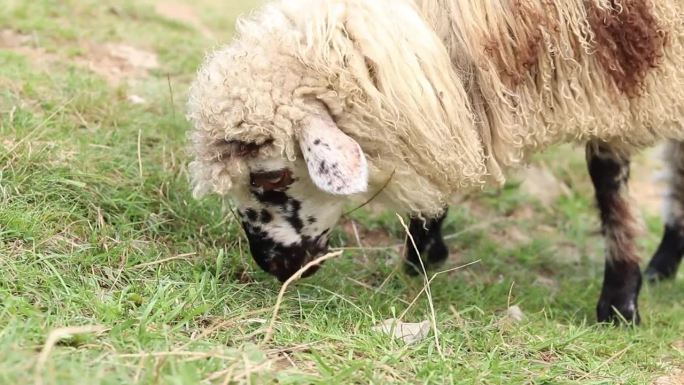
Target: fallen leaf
{"x": 409, "y": 332}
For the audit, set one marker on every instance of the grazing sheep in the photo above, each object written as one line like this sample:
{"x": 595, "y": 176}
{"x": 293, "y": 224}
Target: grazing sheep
{"x": 318, "y": 103}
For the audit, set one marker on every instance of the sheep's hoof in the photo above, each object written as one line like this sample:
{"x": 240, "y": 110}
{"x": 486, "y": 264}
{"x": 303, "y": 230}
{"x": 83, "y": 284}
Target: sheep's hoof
{"x": 665, "y": 262}
{"x": 663, "y": 266}
{"x": 436, "y": 253}
{"x": 657, "y": 273}
{"x": 620, "y": 313}
{"x": 620, "y": 306}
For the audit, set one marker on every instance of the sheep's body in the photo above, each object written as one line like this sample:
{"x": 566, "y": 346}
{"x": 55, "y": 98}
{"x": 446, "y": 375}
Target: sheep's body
{"x": 322, "y": 101}
{"x": 546, "y": 72}
{"x": 443, "y": 102}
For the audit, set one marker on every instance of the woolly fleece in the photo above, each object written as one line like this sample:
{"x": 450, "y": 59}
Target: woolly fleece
{"x": 442, "y": 95}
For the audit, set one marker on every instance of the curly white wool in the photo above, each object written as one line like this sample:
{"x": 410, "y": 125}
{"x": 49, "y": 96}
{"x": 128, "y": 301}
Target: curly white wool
{"x": 417, "y": 85}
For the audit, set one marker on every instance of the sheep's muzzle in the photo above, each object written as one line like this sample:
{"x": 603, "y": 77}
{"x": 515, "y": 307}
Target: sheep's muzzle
{"x": 284, "y": 261}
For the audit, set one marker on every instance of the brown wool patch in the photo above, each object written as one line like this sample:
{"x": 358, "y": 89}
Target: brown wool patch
{"x": 527, "y": 43}
{"x": 629, "y": 42}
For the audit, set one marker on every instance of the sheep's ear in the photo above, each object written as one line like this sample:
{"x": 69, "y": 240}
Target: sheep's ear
{"x": 335, "y": 161}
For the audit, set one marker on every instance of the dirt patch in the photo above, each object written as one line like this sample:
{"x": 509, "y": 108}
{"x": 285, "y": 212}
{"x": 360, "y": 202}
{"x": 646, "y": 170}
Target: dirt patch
{"x": 184, "y": 14}
{"x": 115, "y": 62}
{"x": 368, "y": 238}
{"x": 13, "y": 40}
{"x": 25, "y": 45}
{"x": 118, "y": 62}
{"x": 675, "y": 379}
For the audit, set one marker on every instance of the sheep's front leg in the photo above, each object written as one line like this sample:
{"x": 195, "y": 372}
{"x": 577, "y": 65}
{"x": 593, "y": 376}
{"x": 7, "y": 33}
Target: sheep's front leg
{"x": 667, "y": 258}
{"x": 427, "y": 236}
{"x": 622, "y": 277}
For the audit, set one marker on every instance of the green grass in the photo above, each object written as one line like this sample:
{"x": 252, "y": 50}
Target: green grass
{"x": 98, "y": 227}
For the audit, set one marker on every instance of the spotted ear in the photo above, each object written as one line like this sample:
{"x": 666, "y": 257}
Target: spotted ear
{"x": 335, "y": 161}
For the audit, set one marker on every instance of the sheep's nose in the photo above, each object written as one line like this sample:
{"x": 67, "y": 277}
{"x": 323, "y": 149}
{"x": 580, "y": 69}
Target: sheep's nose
{"x": 290, "y": 266}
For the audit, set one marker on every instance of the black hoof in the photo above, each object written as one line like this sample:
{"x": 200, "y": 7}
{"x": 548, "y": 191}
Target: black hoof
{"x": 663, "y": 266}
{"x": 434, "y": 255}
{"x": 655, "y": 274}
{"x": 426, "y": 244}
{"x": 437, "y": 253}
{"x": 412, "y": 269}
{"x": 619, "y": 295}
{"x": 618, "y": 312}
{"x": 667, "y": 258}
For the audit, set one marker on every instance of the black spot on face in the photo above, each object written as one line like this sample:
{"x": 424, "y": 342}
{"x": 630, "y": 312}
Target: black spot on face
{"x": 251, "y": 215}
{"x": 289, "y": 206}
{"x": 317, "y": 142}
{"x": 276, "y": 198}
{"x": 311, "y": 220}
{"x": 292, "y": 215}
{"x": 266, "y": 216}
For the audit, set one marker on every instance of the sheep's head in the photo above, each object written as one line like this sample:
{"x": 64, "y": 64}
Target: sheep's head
{"x": 288, "y": 176}
{"x": 289, "y": 207}
{"x": 264, "y": 137}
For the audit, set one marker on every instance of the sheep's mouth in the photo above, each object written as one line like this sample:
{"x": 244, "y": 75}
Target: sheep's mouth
{"x": 284, "y": 261}
{"x": 285, "y": 265}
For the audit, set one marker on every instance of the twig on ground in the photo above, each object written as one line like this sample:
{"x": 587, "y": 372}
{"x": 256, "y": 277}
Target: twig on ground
{"x": 478, "y": 226}
{"x": 426, "y": 287}
{"x": 140, "y": 166}
{"x": 174, "y": 353}
{"x": 160, "y": 261}
{"x": 294, "y": 277}
{"x": 173, "y": 103}
{"x": 358, "y": 241}
{"x": 604, "y": 363}
{"x": 55, "y": 336}
{"x": 29, "y": 135}
{"x": 430, "y": 281}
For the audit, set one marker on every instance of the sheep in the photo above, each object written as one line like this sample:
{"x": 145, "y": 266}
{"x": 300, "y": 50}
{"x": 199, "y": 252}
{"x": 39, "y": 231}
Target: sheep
{"x": 317, "y": 104}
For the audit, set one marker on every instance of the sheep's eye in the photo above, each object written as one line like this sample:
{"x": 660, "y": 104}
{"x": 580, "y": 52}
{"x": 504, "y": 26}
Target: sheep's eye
{"x": 271, "y": 180}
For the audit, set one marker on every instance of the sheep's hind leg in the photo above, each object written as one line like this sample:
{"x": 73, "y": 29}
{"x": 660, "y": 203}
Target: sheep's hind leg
{"x": 427, "y": 236}
{"x": 669, "y": 254}
{"x": 622, "y": 277}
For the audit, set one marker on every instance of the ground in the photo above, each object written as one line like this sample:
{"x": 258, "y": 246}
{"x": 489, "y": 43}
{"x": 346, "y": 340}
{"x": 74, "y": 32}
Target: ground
{"x": 112, "y": 273}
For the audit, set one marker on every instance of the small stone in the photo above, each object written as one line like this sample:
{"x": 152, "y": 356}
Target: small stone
{"x": 408, "y": 332}
{"x": 514, "y": 313}
{"x": 135, "y": 99}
